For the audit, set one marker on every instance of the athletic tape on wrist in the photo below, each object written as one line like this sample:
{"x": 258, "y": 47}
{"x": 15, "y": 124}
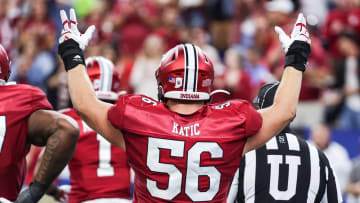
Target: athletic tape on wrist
{"x": 71, "y": 54}
{"x": 297, "y": 55}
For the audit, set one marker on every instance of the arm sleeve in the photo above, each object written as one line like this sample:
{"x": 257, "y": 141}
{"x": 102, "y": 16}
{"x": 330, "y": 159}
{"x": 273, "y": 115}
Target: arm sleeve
{"x": 116, "y": 112}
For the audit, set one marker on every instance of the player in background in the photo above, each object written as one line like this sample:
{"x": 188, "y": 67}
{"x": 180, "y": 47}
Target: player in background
{"x": 181, "y": 148}
{"x": 99, "y": 171}
{"x": 26, "y": 118}
{"x": 285, "y": 169}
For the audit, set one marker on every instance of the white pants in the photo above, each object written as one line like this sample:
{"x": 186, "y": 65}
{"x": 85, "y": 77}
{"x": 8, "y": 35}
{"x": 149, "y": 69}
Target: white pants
{"x": 108, "y": 200}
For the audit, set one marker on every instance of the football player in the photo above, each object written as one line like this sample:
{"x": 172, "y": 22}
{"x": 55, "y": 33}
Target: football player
{"x": 99, "y": 171}
{"x": 181, "y": 148}
{"x": 26, "y": 118}
{"x": 285, "y": 169}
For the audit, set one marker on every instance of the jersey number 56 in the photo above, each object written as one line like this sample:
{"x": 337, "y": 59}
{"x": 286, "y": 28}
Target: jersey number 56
{"x": 194, "y": 170}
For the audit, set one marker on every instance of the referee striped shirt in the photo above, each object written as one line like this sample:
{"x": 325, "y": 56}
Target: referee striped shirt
{"x": 285, "y": 169}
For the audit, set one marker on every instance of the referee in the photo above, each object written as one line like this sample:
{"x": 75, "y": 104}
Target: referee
{"x": 285, "y": 169}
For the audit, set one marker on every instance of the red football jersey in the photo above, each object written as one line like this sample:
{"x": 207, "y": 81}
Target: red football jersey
{"x": 97, "y": 169}
{"x": 17, "y": 102}
{"x": 183, "y": 158}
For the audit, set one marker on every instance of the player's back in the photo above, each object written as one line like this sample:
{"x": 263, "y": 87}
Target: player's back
{"x": 286, "y": 169}
{"x": 183, "y": 158}
{"x": 17, "y": 102}
{"x": 97, "y": 169}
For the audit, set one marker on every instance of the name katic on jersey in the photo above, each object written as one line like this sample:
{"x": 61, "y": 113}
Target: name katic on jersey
{"x": 190, "y": 130}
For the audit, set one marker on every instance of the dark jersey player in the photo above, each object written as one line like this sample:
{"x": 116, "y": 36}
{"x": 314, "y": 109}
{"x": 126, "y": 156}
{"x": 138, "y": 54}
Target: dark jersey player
{"x": 183, "y": 149}
{"x": 26, "y": 118}
{"x": 285, "y": 169}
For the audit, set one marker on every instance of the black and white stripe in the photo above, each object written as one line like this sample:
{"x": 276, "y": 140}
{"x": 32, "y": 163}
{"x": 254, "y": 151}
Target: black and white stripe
{"x": 191, "y": 69}
{"x": 315, "y": 179}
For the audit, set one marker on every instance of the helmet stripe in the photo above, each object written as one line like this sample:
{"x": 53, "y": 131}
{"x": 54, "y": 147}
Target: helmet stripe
{"x": 186, "y": 67}
{"x": 196, "y": 69}
{"x": 101, "y": 73}
{"x": 106, "y": 75}
{"x": 191, "y": 67}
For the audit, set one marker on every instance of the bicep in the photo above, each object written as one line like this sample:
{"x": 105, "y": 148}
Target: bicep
{"x": 96, "y": 118}
{"x": 272, "y": 124}
{"x": 41, "y": 124}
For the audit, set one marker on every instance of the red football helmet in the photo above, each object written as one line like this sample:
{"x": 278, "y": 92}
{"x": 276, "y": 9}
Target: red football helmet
{"x": 105, "y": 79}
{"x": 185, "y": 73}
{"x": 4, "y": 64}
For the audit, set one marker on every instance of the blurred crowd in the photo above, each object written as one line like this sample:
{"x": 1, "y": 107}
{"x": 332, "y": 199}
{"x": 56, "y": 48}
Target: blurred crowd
{"x": 237, "y": 35}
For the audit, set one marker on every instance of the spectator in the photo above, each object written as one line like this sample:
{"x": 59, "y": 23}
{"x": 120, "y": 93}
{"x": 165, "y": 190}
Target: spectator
{"x": 221, "y": 14}
{"x": 310, "y": 111}
{"x": 348, "y": 77}
{"x": 142, "y": 77}
{"x": 278, "y": 13}
{"x": 345, "y": 17}
{"x": 258, "y": 72}
{"x": 337, "y": 154}
{"x": 37, "y": 37}
{"x": 236, "y": 80}
{"x": 98, "y": 17}
{"x": 9, "y": 15}
{"x": 58, "y": 93}
{"x": 317, "y": 75}
{"x": 316, "y": 11}
{"x": 38, "y": 26}
{"x": 134, "y": 20}
{"x": 33, "y": 66}
{"x": 125, "y": 67}
{"x": 168, "y": 28}
{"x": 200, "y": 38}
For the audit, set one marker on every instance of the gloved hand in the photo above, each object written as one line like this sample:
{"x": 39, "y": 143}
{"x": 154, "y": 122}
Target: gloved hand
{"x": 71, "y": 31}
{"x": 297, "y": 46}
{"x": 72, "y": 43}
{"x": 32, "y": 194}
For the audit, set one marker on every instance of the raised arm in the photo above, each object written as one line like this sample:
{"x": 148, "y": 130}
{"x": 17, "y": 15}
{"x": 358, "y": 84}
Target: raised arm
{"x": 59, "y": 134}
{"x": 283, "y": 110}
{"x": 92, "y": 110}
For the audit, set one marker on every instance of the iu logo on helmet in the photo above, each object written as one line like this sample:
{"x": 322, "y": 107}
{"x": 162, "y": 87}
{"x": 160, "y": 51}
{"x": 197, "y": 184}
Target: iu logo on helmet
{"x": 189, "y": 96}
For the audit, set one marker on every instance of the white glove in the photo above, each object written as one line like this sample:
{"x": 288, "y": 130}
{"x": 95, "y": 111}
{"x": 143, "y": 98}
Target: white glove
{"x": 299, "y": 32}
{"x": 70, "y": 30}
{"x": 3, "y": 200}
